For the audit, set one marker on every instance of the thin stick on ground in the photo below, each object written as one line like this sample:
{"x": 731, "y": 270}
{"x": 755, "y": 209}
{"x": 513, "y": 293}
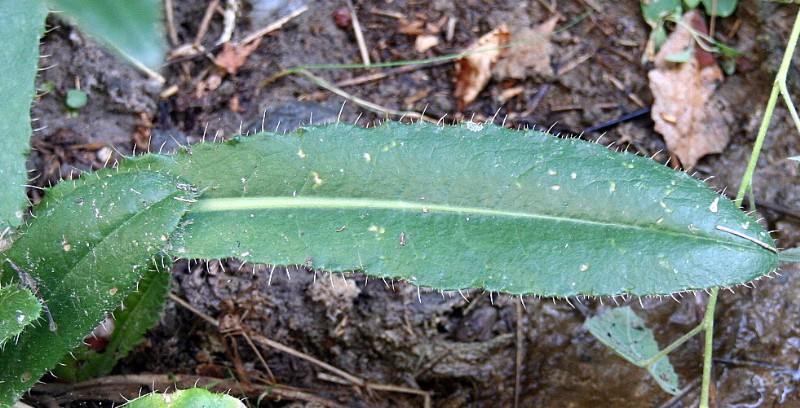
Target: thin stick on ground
{"x": 364, "y": 103}
{"x": 352, "y": 379}
{"x": 362, "y": 46}
{"x": 272, "y": 27}
{"x": 385, "y": 74}
{"x": 204, "y": 23}
{"x": 169, "y": 13}
{"x": 122, "y": 388}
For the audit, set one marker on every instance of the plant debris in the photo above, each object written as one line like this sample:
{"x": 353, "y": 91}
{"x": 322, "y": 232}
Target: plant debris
{"x": 232, "y": 57}
{"x": 531, "y": 58}
{"x": 474, "y": 70}
{"x": 693, "y": 122}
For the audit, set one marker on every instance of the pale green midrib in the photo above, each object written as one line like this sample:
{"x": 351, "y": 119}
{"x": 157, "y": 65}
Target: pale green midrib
{"x": 336, "y": 203}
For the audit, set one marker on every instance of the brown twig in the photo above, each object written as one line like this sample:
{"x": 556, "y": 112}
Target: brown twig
{"x": 387, "y": 73}
{"x": 272, "y": 27}
{"x": 618, "y": 84}
{"x": 122, "y": 388}
{"x": 352, "y": 379}
{"x": 204, "y": 23}
{"x": 362, "y": 102}
{"x": 573, "y": 64}
{"x": 362, "y": 46}
{"x": 170, "y": 15}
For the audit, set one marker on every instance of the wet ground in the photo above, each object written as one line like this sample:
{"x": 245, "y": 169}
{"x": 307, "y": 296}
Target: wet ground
{"x": 461, "y": 352}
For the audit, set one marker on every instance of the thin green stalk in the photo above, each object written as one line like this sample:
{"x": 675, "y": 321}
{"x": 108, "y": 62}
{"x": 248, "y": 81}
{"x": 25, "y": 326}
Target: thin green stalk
{"x": 675, "y": 344}
{"x": 708, "y": 326}
{"x": 777, "y": 88}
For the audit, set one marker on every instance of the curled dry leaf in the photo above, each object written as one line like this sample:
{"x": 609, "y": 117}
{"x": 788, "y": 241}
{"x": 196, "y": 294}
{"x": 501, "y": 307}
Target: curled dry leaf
{"x": 531, "y": 58}
{"x": 692, "y": 120}
{"x": 232, "y": 57}
{"x": 474, "y": 70}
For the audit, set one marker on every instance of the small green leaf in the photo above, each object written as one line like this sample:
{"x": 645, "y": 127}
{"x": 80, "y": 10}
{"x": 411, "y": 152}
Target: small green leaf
{"x": 193, "y": 397}
{"x": 682, "y": 56}
{"x": 655, "y": 10}
{"x": 18, "y": 308}
{"x": 132, "y": 28}
{"x": 76, "y": 99}
{"x": 47, "y": 87}
{"x": 21, "y": 25}
{"x": 658, "y": 36}
{"x": 456, "y": 207}
{"x": 624, "y": 332}
{"x": 86, "y": 253}
{"x": 720, "y": 8}
{"x": 691, "y": 4}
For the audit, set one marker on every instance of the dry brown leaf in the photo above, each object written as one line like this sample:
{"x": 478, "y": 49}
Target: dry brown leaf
{"x": 531, "y": 58}
{"x": 685, "y": 111}
{"x": 474, "y": 70}
{"x": 232, "y": 57}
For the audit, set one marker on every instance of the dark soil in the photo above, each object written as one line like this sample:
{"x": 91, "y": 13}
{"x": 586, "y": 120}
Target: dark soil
{"x": 461, "y": 352}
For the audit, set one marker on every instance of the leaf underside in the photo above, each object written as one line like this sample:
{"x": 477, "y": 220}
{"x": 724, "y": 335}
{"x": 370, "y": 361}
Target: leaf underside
{"x": 86, "y": 252}
{"x": 457, "y": 207}
{"x": 621, "y": 330}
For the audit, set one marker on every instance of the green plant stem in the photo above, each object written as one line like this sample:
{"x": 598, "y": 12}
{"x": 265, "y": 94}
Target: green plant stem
{"x": 675, "y": 344}
{"x": 708, "y": 321}
{"x": 778, "y": 87}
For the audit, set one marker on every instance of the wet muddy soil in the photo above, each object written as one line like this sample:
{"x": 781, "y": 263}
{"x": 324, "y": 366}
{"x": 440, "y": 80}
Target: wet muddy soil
{"x": 460, "y": 350}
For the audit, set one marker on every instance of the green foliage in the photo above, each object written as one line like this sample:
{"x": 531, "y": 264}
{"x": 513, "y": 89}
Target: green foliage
{"x": 83, "y": 297}
{"x": 139, "y": 312}
{"x": 194, "y": 397}
{"x": 446, "y": 207}
{"x": 131, "y": 28}
{"x": 654, "y": 11}
{"x": 624, "y": 332}
{"x": 463, "y": 207}
{"x": 87, "y": 252}
{"x": 18, "y": 308}
{"x": 21, "y": 25}
{"x": 720, "y": 8}
{"x": 657, "y": 12}
{"x": 76, "y": 99}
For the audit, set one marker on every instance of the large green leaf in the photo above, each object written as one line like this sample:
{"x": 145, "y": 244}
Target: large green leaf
{"x": 21, "y": 25}
{"x": 86, "y": 253}
{"x": 463, "y": 207}
{"x": 130, "y": 27}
